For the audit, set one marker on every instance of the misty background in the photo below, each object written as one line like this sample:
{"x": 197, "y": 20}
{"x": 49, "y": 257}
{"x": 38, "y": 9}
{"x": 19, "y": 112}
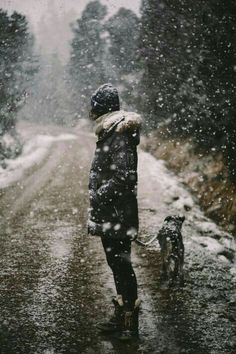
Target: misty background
{"x": 50, "y": 20}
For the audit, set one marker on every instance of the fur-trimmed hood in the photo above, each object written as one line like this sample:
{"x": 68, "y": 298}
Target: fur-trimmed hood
{"x": 121, "y": 121}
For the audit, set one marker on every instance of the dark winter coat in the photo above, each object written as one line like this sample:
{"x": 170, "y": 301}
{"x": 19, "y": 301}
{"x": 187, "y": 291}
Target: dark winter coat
{"x": 113, "y": 177}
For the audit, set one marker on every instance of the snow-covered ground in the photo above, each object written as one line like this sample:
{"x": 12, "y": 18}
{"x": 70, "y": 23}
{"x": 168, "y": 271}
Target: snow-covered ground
{"x": 34, "y": 150}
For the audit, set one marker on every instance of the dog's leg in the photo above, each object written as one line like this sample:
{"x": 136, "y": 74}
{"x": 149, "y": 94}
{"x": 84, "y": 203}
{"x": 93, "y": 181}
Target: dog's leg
{"x": 163, "y": 265}
{"x": 170, "y": 262}
{"x": 175, "y": 259}
{"x": 181, "y": 265}
{"x": 163, "y": 262}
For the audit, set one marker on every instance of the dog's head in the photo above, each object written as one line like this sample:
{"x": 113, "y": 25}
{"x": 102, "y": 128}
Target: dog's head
{"x": 176, "y": 219}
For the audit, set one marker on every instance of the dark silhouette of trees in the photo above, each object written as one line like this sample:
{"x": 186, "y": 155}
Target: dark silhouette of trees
{"x": 104, "y": 51}
{"x": 17, "y": 66}
{"x": 123, "y": 29}
{"x": 188, "y": 56}
{"x": 87, "y": 62}
{"x": 123, "y": 54}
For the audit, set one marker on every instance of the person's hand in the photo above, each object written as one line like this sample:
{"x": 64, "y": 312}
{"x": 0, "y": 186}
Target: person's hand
{"x": 93, "y": 198}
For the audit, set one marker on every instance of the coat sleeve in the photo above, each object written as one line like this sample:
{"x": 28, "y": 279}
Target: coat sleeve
{"x": 124, "y": 167}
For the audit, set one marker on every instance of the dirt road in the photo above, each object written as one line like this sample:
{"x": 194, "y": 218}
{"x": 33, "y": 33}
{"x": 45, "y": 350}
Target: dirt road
{"x": 55, "y": 285}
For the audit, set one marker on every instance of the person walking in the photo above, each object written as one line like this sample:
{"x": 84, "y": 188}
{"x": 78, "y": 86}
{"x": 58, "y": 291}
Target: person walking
{"x": 113, "y": 201}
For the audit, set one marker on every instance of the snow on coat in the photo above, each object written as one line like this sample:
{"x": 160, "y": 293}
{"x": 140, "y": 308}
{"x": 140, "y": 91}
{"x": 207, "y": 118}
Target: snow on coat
{"x": 113, "y": 176}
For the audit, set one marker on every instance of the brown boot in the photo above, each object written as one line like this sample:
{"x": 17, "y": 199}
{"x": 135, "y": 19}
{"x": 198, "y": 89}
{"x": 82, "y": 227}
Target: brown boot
{"x": 130, "y": 323}
{"x": 114, "y": 324}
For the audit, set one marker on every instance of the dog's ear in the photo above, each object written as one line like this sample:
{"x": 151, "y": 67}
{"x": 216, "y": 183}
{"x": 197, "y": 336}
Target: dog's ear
{"x": 179, "y": 217}
{"x": 169, "y": 218}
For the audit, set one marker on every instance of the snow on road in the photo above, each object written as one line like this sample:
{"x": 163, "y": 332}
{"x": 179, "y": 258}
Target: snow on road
{"x": 160, "y": 192}
{"x": 34, "y": 151}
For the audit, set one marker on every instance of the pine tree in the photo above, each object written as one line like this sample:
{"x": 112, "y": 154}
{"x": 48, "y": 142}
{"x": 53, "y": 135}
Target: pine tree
{"x": 87, "y": 63}
{"x": 217, "y": 71}
{"x": 17, "y": 66}
{"x": 123, "y": 29}
{"x": 122, "y": 59}
{"x": 166, "y": 52}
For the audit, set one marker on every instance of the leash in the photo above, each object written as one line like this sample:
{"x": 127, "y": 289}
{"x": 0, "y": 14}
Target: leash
{"x": 145, "y": 244}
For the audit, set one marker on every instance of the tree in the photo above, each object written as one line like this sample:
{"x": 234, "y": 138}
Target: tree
{"x": 166, "y": 53}
{"x": 87, "y": 63}
{"x": 17, "y": 66}
{"x": 123, "y": 29}
{"x": 218, "y": 72}
{"x": 122, "y": 56}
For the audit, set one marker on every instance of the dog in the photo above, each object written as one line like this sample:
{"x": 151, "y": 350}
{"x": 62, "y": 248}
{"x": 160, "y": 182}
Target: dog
{"x": 172, "y": 250}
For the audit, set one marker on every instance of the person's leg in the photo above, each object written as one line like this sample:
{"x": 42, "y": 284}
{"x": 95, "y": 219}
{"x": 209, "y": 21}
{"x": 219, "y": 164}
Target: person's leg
{"x": 112, "y": 252}
{"x": 118, "y": 254}
{"x": 126, "y": 317}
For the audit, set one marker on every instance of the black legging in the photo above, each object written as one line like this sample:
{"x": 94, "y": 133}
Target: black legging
{"x": 118, "y": 254}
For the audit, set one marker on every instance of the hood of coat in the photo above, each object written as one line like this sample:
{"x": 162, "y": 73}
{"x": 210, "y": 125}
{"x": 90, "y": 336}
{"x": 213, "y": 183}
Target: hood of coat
{"x": 120, "y": 121}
